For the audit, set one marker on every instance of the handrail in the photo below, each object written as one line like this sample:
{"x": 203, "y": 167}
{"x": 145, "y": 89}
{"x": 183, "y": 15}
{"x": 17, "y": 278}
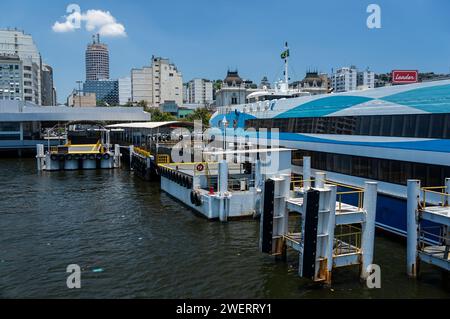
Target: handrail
{"x": 142, "y": 152}
{"x": 349, "y": 240}
{"x": 432, "y": 189}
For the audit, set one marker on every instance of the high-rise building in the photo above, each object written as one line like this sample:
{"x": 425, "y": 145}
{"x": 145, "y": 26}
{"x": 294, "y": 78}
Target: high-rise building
{"x": 161, "y": 82}
{"x": 200, "y": 91}
{"x": 106, "y": 91}
{"x": 11, "y": 80}
{"x": 124, "y": 90}
{"x": 16, "y": 43}
{"x": 48, "y": 91}
{"x": 97, "y": 60}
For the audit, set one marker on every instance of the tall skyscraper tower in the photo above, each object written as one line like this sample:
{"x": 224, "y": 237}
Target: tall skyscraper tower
{"x": 97, "y": 60}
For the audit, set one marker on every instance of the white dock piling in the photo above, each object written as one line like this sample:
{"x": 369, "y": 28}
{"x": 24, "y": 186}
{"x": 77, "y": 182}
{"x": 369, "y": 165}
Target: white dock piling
{"x": 40, "y": 157}
{"x": 117, "y": 156}
{"x": 368, "y": 227}
{"x": 320, "y": 180}
{"x": 306, "y": 172}
{"x": 330, "y": 231}
{"x": 131, "y": 157}
{"x": 411, "y": 221}
{"x": 223, "y": 189}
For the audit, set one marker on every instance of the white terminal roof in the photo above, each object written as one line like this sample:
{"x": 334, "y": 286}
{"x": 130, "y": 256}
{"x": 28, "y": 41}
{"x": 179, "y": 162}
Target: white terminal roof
{"x": 149, "y": 125}
{"x": 19, "y": 111}
{"x": 255, "y": 150}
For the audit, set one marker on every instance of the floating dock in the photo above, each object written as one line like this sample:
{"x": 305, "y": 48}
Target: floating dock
{"x": 222, "y": 189}
{"x": 85, "y": 148}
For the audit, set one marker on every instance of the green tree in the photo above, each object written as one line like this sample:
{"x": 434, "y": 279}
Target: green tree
{"x": 158, "y": 116}
{"x": 143, "y": 104}
{"x": 202, "y": 114}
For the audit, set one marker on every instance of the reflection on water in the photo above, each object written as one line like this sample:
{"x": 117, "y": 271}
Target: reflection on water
{"x": 150, "y": 246}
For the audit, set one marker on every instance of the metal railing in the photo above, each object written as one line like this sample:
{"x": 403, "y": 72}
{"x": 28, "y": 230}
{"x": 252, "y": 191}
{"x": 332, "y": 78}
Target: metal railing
{"x": 426, "y": 235}
{"x": 435, "y": 190}
{"x": 347, "y": 240}
{"x": 359, "y": 192}
{"x": 142, "y": 152}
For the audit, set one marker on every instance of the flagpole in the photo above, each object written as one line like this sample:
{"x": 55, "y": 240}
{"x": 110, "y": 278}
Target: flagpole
{"x": 286, "y": 78}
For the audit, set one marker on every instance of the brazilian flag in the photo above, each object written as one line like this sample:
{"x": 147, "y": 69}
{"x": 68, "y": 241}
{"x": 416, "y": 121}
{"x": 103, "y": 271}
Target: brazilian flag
{"x": 285, "y": 54}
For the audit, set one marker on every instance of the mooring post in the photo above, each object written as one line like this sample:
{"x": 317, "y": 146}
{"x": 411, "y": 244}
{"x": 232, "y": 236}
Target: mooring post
{"x": 412, "y": 226}
{"x": 368, "y": 227}
{"x": 330, "y": 231}
{"x": 306, "y": 172}
{"x": 40, "y": 156}
{"x": 447, "y": 191}
{"x": 223, "y": 189}
{"x": 117, "y": 155}
{"x": 320, "y": 180}
{"x": 131, "y": 157}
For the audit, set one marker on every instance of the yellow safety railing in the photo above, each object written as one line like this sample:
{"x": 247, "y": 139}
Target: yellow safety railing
{"x": 347, "y": 240}
{"x": 439, "y": 190}
{"x": 360, "y": 198}
{"x": 80, "y": 148}
{"x": 352, "y": 191}
{"x": 142, "y": 152}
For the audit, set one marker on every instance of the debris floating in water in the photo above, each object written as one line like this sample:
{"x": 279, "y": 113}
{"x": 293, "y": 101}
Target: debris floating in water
{"x": 97, "y": 270}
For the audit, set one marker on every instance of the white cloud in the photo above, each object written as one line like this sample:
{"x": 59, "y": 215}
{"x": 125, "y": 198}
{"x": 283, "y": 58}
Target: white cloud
{"x": 99, "y": 21}
{"x": 69, "y": 25}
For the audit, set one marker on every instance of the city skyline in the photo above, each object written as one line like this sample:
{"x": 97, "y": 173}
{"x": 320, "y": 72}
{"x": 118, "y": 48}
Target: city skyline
{"x": 205, "y": 39}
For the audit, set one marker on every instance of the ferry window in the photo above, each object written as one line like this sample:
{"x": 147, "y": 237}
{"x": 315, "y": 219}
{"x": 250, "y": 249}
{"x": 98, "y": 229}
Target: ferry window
{"x": 383, "y": 170}
{"x": 434, "y": 176}
{"x": 420, "y": 173}
{"x": 446, "y": 127}
{"x": 423, "y": 126}
{"x": 395, "y": 172}
{"x": 437, "y": 125}
{"x": 397, "y": 125}
{"x": 410, "y": 126}
{"x": 375, "y": 126}
{"x": 364, "y": 125}
{"x": 386, "y": 125}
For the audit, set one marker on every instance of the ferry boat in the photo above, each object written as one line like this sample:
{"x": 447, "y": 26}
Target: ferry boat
{"x": 388, "y": 135}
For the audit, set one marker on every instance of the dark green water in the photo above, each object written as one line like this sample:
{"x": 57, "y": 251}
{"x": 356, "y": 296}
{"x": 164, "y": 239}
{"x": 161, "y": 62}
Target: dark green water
{"x": 150, "y": 246}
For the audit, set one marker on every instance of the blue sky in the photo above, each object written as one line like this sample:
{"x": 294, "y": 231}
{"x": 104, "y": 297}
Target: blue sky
{"x": 204, "y": 37}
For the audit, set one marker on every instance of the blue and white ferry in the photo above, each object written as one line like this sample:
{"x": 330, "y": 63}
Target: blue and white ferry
{"x": 389, "y": 135}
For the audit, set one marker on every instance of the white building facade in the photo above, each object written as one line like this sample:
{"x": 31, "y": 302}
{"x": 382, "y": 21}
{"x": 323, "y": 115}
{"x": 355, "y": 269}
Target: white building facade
{"x": 344, "y": 79}
{"x": 15, "y": 42}
{"x": 159, "y": 83}
{"x": 199, "y": 91}
{"x": 233, "y": 90}
{"x": 366, "y": 80}
{"x": 124, "y": 90}
{"x": 350, "y": 79}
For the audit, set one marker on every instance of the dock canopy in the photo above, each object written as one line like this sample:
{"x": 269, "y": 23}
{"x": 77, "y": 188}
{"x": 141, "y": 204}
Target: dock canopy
{"x": 151, "y": 125}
